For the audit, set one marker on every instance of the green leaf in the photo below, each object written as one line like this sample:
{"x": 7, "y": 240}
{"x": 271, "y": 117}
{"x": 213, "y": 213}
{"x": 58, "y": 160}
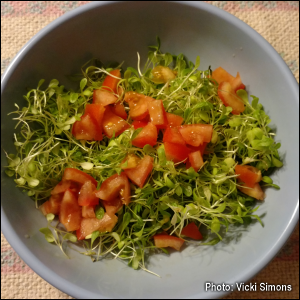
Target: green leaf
{"x": 53, "y": 83}
{"x": 215, "y": 225}
{"x": 276, "y": 162}
{"x": 99, "y": 212}
{"x": 126, "y": 220}
{"x": 50, "y": 217}
{"x": 178, "y": 190}
{"x": 45, "y": 231}
{"x": 161, "y": 155}
{"x": 71, "y": 237}
{"x": 83, "y": 83}
{"x": 73, "y": 97}
{"x": 95, "y": 234}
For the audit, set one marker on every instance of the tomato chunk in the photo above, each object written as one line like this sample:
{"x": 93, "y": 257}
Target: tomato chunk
{"x": 96, "y": 111}
{"x": 192, "y": 231}
{"x": 229, "y": 98}
{"x": 70, "y": 211}
{"x": 148, "y": 135}
{"x": 176, "y": 153}
{"x": 237, "y": 83}
{"x": 89, "y": 225}
{"x": 114, "y": 186}
{"x": 62, "y": 186}
{"x": 52, "y": 206}
{"x": 88, "y": 212}
{"x": 104, "y": 97}
{"x": 77, "y": 176}
{"x": 248, "y": 174}
{"x": 87, "y": 195}
{"x": 113, "y": 124}
{"x": 163, "y": 240}
{"x": 174, "y": 120}
{"x": 130, "y": 161}
{"x": 110, "y": 83}
{"x": 157, "y": 114}
{"x": 200, "y": 148}
{"x": 113, "y": 206}
{"x": 196, "y": 160}
{"x": 138, "y": 124}
{"x": 221, "y": 75}
{"x": 119, "y": 110}
{"x": 173, "y": 135}
{"x": 86, "y": 129}
{"x": 139, "y": 174}
{"x": 255, "y": 192}
{"x": 196, "y": 134}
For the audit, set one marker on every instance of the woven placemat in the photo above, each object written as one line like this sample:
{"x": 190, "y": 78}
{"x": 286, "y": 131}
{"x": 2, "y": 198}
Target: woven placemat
{"x": 276, "y": 21}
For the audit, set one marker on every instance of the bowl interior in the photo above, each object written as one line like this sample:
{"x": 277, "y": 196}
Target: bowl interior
{"x": 116, "y": 32}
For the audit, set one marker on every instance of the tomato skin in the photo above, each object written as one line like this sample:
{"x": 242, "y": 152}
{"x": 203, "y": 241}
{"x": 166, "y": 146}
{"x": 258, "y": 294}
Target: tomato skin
{"x": 70, "y": 211}
{"x": 88, "y": 212}
{"x": 113, "y": 124}
{"x": 176, "y": 153}
{"x": 96, "y": 111}
{"x": 103, "y": 97}
{"x": 139, "y": 174}
{"x": 196, "y": 134}
{"x": 113, "y": 206}
{"x": 148, "y": 135}
{"x": 86, "y": 129}
{"x": 164, "y": 240}
{"x": 248, "y": 174}
{"x": 196, "y": 160}
{"x": 174, "y": 120}
{"x": 110, "y": 83}
{"x": 157, "y": 114}
{"x": 114, "y": 186}
{"x": 237, "y": 83}
{"x": 77, "y": 176}
{"x": 192, "y": 231}
{"x": 172, "y": 135}
{"x": 132, "y": 161}
{"x": 119, "y": 110}
{"x": 139, "y": 124}
{"x": 52, "y": 206}
{"x": 63, "y": 185}
{"x": 229, "y": 98}
{"x": 255, "y": 192}
{"x": 87, "y": 195}
{"x": 200, "y": 148}
{"x": 89, "y": 225}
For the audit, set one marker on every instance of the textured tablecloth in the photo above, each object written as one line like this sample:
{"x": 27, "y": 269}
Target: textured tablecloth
{"x": 276, "y": 21}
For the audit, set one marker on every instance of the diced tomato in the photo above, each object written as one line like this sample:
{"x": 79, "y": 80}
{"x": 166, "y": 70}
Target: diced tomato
{"x": 70, "y": 211}
{"x": 255, "y": 192}
{"x": 114, "y": 186}
{"x": 113, "y": 124}
{"x": 77, "y": 176}
{"x": 173, "y": 135}
{"x": 148, "y": 135}
{"x": 52, "y": 206}
{"x": 113, "y": 206}
{"x": 174, "y": 120}
{"x": 138, "y": 124}
{"x": 237, "y": 83}
{"x": 163, "y": 241}
{"x": 139, "y": 174}
{"x": 200, "y": 148}
{"x": 192, "y": 231}
{"x": 87, "y": 129}
{"x": 45, "y": 208}
{"x": 88, "y": 212}
{"x": 119, "y": 110}
{"x": 158, "y": 114}
{"x": 196, "y": 160}
{"x": 87, "y": 195}
{"x": 196, "y": 134}
{"x": 229, "y": 98}
{"x": 132, "y": 162}
{"x": 176, "y": 153}
{"x": 110, "y": 83}
{"x": 89, "y": 225}
{"x": 96, "y": 111}
{"x": 248, "y": 174}
{"x": 62, "y": 186}
{"x": 104, "y": 97}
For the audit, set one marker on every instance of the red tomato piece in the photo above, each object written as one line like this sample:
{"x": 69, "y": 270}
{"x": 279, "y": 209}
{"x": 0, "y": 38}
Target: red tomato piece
{"x": 77, "y": 176}
{"x": 237, "y": 83}
{"x": 163, "y": 240}
{"x": 200, "y": 148}
{"x": 196, "y": 134}
{"x": 113, "y": 206}
{"x": 114, "y": 186}
{"x": 174, "y": 120}
{"x": 157, "y": 114}
{"x": 87, "y": 195}
{"x": 104, "y": 97}
{"x": 229, "y": 98}
{"x": 173, "y": 135}
{"x": 132, "y": 161}
{"x": 45, "y": 208}
{"x": 148, "y": 135}
{"x": 192, "y": 231}
{"x": 139, "y": 174}
{"x": 255, "y": 192}
{"x": 248, "y": 174}
{"x": 110, "y": 83}
{"x": 113, "y": 124}
{"x": 176, "y": 153}
{"x": 89, "y": 225}
{"x": 196, "y": 160}
{"x": 88, "y": 212}
{"x": 138, "y": 124}
{"x": 96, "y": 111}
{"x": 86, "y": 129}
{"x": 70, "y": 211}
{"x": 119, "y": 110}
{"x": 52, "y": 206}
{"x": 62, "y": 186}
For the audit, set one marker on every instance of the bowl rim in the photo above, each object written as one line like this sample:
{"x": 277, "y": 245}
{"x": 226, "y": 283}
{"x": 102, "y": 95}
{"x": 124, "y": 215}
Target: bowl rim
{"x": 38, "y": 266}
